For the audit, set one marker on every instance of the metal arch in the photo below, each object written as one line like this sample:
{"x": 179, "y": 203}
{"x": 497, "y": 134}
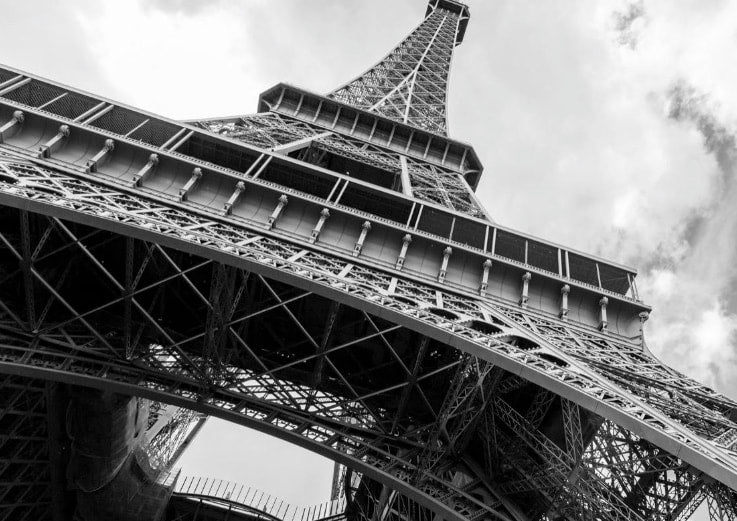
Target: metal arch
{"x": 588, "y": 390}
{"x": 73, "y": 238}
{"x": 297, "y": 427}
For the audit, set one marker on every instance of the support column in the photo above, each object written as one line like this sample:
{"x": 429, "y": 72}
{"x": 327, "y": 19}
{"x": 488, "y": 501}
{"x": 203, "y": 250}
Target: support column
{"x": 444, "y": 266}
{"x": 485, "y": 277}
{"x": 283, "y": 201}
{"x": 525, "y": 290}
{"x": 603, "y": 323}
{"x": 406, "y": 241}
{"x": 365, "y": 228}
{"x": 564, "y": 291}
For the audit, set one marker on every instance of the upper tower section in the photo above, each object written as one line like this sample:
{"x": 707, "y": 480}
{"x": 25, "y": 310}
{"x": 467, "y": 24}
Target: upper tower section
{"x": 410, "y": 84}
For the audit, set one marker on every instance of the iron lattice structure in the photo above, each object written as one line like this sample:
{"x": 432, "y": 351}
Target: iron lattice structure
{"x": 322, "y": 272}
{"x": 411, "y": 83}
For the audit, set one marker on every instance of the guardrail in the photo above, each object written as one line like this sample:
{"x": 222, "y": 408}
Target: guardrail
{"x": 256, "y": 501}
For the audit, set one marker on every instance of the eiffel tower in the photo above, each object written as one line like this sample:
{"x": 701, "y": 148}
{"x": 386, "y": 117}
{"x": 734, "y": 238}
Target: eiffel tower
{"x": 321, "y": 272}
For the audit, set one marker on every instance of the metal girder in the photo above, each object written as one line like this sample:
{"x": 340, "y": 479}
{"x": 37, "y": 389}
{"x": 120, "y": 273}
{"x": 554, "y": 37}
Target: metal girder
{"x": 410, "y": 84}
{"x": 171, "y": 277}
{"x": 449, "y": 404}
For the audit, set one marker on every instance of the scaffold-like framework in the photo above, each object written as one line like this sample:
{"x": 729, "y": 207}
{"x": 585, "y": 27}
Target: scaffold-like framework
{"x": 323, "y": 272}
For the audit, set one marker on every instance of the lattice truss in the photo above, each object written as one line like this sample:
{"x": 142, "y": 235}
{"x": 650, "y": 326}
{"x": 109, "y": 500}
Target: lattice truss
{"x": 304, "y": 346}
{"x": 272, "y": 131}
{"x": 410, "y": 84}
{"x": 167, "y": 429}
{"x": 25, "y": 466}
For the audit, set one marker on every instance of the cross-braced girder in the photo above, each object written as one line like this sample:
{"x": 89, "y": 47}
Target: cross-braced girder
{"x": 313, "y": 144}
{"x": 377, "y": 377}
{"x": 234, "y": 279}
{"x": 410, "y": 83}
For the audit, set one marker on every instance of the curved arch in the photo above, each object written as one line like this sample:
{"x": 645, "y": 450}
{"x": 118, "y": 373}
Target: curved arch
{"x": 443, "y": 313}
{"x": 483, "y": 327}
{"x": 577, "y": 382}
{"x": 331, "y": 439}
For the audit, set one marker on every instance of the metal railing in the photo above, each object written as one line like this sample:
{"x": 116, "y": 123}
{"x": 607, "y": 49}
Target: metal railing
{"x": 256, "y": 501}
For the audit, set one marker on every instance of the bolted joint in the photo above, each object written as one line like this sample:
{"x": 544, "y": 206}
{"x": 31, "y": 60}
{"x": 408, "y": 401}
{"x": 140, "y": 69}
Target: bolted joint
{"x": 485, "y": 277}
{"x": 406, "y": 241}
{"x": 525, "y": 297}
{"x": 447, "y": 252}
{"x": 365, "y": 228}
{"x": 564, "y": 291}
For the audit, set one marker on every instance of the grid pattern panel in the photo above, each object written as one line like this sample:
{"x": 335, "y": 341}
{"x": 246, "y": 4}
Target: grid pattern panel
{"x": 5, "y": 75}
{"x": 34, "y": 93}
{"x": 119, "y": 120}
{"x": 71, "y": 106}
{"x": 155, "y": 133}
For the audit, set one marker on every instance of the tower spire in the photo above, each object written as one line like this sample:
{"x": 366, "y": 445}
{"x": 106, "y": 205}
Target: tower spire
{"x": 411, "y": 83}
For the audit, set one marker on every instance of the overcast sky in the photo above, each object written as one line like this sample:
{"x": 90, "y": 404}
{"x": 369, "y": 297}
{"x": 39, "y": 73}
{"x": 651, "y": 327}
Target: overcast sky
{"x": 607, "y": 126}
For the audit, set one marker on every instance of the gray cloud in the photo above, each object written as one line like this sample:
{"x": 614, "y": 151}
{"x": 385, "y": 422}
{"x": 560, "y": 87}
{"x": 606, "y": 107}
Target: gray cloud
{"x": 185, "y": 7}
{"x": 687, "y": 105}
{"x": 628, "y": 23}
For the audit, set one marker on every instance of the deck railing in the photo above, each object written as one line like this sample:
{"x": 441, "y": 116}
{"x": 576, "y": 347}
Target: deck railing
{"x": 256, "y": 501}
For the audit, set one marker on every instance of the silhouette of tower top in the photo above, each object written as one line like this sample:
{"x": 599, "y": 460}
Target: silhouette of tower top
{"x": 411, "y": 83}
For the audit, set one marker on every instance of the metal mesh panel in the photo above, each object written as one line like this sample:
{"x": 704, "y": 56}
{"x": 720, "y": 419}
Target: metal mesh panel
{"x": 225, "y": 155}
{"x": 304, "y": 181}
{"x": 470, "y": 233}
{"x": 614, "y": 279}
{"x": 118, "y": 120}
{"x": 6, "y": 75}
{"x": 435, "y": 222}
{"x": 34, "y": 93}
{"x": 155, "y": 133}
{"x": 71, "y": 106}
{"x": 365, "y": 201}
{"x": 542, "y": 256}
{"x": 510, "y": 246}
{"x": 583, "y": 269}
